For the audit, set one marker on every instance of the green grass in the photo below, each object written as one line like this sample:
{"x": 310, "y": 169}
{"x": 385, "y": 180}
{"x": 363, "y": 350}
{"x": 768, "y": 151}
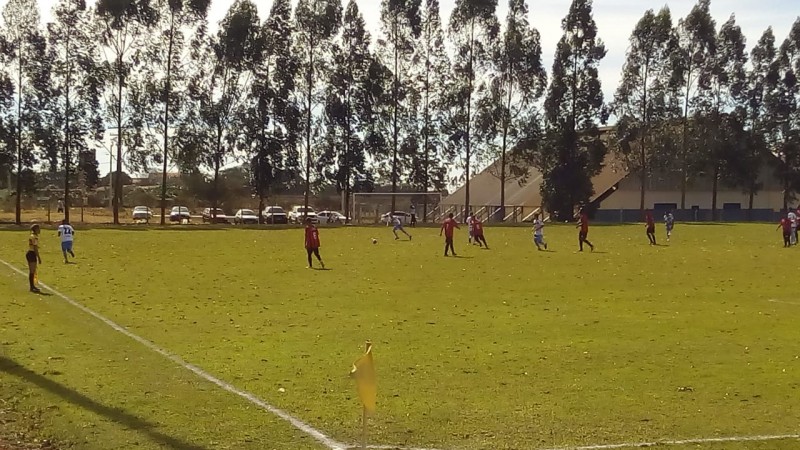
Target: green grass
{"x": 503, "y": 349}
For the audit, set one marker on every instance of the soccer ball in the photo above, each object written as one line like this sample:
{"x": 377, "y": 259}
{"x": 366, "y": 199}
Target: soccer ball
{"x": 374, "y": 241}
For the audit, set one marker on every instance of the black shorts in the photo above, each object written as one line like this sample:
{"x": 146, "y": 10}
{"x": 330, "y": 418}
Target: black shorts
{"x": 448, "y": 240}
{"x": 30, "y": 256}
{"x": 651, "y": 229}
{"x": 582, "y": 236}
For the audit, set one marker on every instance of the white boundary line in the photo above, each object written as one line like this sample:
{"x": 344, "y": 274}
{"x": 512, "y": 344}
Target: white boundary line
{"x": 318, "y": 435}
{"x": 683, "y": 442}
{"x": 718, "y": 440}
{"x": 774, "y": 300}
{"x": 333, "y": 444}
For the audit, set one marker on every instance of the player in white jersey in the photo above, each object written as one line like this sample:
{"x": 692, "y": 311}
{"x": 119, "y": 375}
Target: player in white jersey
{"x": 538, "y": 233}
{"x": 669, "y": 222}
{"x": 792, "y": 216}
{"x": 398, "y": 226}
{"x": 67, "y": 235}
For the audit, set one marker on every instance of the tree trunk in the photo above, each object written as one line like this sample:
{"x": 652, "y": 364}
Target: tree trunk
{"x": 309, "y": 82}
{"x": 67, "y": 155}
{"x": 426, "y": 157}
{"x": 260, "y": 207}
{"x": 426, "y": 131}
{"x": 573, "y": 134}
{"x": 259, "y": 176}
{"x": 643, "y": 183}
{"x": 167, "y": 94}
{"x": 67, "y": 136}
{"x": 395, "y": 103}
{"x": 471, "y": 77}
{"x": 684, "y": 145}
{"x": 118, "y": 183}
{"x": 786, "y": 189}
{"x": 643, "y": 170}
{"x": 643, "y": 141}
{"x": 217, "y": 163}
{"x": 347, "y": 199}
{"x": 347, "y": 149}
{"x": 751, "y": 200}
{"x": 714, "y": 189}
{"x": 506, "y": 126}
{"x": 18, "y": 209}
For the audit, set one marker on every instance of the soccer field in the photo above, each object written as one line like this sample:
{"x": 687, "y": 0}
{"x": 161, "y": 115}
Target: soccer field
{"x": 507, "y": 348}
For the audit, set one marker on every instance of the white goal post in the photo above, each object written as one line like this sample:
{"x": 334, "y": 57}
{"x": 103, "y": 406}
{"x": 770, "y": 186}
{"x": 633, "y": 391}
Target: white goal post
{"x": 368, "y": 207}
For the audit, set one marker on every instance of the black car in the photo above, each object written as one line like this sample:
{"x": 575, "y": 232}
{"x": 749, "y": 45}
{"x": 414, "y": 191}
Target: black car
{"x": 180, "y": 214}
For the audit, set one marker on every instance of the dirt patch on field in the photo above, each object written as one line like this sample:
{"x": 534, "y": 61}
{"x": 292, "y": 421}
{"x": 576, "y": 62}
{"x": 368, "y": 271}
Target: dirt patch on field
{"x": 20, "y": 431}
{"x": 21, "y": 445}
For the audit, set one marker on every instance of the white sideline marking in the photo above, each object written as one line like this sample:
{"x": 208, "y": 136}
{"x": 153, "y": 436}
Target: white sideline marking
{"x": 392, "y": 447}
{"x": 321, "y": 437}
{"x": 635, "y": 444}
{"x": 683, "y": 442}
{"x": 773, "y": 300}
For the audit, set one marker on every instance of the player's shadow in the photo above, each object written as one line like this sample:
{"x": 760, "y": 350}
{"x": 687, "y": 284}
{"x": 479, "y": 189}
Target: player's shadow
{"x": 117, "y": 415}
{"x": 43, "y": 293}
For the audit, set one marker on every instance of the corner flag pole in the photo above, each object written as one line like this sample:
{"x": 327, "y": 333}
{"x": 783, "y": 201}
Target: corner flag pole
{"x": 364, "y": 427}
{"x": 364, "y": 418}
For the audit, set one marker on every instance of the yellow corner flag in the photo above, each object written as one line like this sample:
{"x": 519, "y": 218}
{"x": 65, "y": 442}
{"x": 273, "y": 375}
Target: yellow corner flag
{"x": 366, "y": 384}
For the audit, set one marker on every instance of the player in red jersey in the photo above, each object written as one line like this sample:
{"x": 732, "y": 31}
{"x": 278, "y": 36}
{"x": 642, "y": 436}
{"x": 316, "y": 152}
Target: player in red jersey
{"x": 448, "y": 226}
{"x": 786, "y": 224}
{"x": 477, "y": 230}
{"x": 312, "y": 243}
{"x": 583, "y": 223}
{"x": 650, "y": 225}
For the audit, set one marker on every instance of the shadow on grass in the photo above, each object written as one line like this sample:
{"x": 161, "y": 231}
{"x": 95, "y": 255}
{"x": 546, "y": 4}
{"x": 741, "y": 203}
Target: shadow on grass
{"x": 43, "y": 293}
{"x": 118, "y": 415}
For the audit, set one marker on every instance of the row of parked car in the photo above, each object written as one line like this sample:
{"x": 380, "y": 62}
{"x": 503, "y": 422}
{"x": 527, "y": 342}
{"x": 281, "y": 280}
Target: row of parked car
{"x": 271, "y": 215}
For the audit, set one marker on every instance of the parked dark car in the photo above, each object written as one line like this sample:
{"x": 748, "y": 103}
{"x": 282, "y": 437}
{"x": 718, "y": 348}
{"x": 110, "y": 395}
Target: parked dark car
{"x": 275, "y": 215}
{"x": 211, "y": 215}
{"x": 179, "y": 214}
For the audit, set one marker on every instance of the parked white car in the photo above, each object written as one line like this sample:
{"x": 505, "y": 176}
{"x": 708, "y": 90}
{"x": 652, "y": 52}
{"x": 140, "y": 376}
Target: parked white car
{"x": 299, "y": 213}
{"x": 388, "y": 218}
{"x": 142, "y": 213}
{"x": 245, "y": 216}
{"x": 331, "y": 217}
